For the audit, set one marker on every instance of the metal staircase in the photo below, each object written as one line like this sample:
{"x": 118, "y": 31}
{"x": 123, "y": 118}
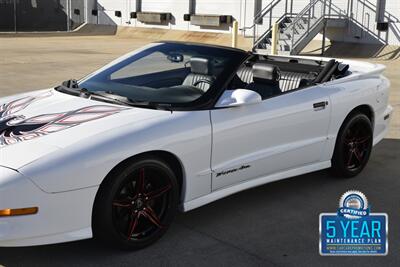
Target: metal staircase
{"x": 296, "y": 30}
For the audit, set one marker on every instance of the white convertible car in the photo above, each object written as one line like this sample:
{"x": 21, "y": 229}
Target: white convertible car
{"x": 174, "y": 126}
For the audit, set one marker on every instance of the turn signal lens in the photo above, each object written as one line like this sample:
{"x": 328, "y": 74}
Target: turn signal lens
{"x": 18, "y": 212}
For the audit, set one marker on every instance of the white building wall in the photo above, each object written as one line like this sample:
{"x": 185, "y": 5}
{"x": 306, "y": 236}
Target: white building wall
{"x": 243, "y": 12}
{"x": 89, "y": 6}
{"x": 362, "y": 27}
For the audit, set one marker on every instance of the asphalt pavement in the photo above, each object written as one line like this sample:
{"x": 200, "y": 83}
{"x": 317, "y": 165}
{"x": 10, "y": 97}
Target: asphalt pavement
{"x": 272, "y": 225}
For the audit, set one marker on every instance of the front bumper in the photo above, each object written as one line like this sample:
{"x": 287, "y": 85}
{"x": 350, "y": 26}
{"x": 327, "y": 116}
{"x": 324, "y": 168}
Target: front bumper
{"x": 62, "y": 217}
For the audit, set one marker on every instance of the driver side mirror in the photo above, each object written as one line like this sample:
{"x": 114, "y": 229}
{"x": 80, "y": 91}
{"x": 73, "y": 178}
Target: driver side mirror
{"x": 238, "y": 97}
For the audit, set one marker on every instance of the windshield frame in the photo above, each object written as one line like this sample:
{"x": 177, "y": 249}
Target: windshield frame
{"x": 206, "y": 101}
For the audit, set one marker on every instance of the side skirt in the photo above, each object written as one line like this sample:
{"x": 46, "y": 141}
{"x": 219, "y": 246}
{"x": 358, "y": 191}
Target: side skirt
{"x": 224, "y": 192}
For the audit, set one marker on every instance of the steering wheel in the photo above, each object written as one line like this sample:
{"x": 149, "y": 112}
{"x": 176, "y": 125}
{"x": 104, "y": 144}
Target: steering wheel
{"x": 202, "y": 81}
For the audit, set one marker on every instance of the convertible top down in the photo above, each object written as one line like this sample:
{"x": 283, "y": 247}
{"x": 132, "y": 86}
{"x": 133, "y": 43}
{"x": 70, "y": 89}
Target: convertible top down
{"x": 176, "y": 126}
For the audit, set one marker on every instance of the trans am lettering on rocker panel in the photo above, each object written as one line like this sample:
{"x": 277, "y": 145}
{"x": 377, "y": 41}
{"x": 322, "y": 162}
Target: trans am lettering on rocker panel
{"x": 18, "y": 128}
{"x": 233, "y": 170}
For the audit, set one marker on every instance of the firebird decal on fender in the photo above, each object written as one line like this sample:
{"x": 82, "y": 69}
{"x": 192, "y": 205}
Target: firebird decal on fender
{"x": 14, "y": 129}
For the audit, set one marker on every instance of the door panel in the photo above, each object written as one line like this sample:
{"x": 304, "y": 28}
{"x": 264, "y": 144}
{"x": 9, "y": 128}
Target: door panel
{"x": 281, "y": 133}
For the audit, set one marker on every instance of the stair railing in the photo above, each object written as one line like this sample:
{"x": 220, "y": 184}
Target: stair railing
{"x": 258, "y": 17}
{"x": 267, "y": 12}
{"x": 314, "y": 13}
{"x": 266, "y": 33}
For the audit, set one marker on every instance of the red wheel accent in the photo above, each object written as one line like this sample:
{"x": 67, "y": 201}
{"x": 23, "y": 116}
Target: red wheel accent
{"x": 350, "y": 158}
{"x": 158, "y": 193}
{"x": 126, "y": 203}
{"x": 358, "y": 155}
{"x": 140, "y": 182}
{"x": 356, "y": 144}
{"x": 133, "y": 224}
{"x": 363, "y": 140}
{"x": 152, "y": 216}
{"x": 139, "y": 206}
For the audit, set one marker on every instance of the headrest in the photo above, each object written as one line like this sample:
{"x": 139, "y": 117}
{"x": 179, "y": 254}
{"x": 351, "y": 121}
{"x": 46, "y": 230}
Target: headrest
{"x": 342, "y": 69}
{"x": 200, "y": 65}
{"x": 266, "y": 73}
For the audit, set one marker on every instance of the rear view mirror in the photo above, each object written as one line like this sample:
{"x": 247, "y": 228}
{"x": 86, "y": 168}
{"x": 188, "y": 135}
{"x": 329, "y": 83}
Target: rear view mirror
{"x": 238, "y": 97}
{"x": 175, "y": 58}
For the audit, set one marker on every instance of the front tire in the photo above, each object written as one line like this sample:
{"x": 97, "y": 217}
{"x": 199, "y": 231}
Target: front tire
{"x": 136, "y": 204}
{"x": 353, "y": 146}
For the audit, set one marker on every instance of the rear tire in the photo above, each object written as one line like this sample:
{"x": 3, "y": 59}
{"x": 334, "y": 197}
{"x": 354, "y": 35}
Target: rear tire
{"x": 353, "y": 146}
{"x": 136, "y": 204}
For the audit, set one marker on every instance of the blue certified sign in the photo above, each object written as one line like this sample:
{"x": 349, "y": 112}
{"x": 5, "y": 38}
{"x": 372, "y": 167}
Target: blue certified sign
{"x": 353, "y": 230}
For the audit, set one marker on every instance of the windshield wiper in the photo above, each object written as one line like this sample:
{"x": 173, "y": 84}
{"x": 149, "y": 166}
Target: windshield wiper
{"x": 72, "y": 87}
{"x": 109, "y": 97}
{"x": 125, "y": 100}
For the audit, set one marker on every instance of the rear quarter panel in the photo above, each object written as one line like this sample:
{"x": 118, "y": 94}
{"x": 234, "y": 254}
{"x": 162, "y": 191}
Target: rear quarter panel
{"x": 346, "y": 96}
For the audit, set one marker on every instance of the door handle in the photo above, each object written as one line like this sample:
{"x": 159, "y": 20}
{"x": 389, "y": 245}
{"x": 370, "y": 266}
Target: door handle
{"x": 320, "y": 105}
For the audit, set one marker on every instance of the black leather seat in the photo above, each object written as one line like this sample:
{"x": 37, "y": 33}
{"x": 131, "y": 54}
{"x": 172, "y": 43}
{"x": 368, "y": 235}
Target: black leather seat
{"x": 265, "y": 80}
{"x": 200, "y": 75}
{"x": 288, "y": 81}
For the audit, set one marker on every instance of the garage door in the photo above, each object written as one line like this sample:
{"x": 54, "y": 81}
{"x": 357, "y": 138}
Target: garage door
{"x": 41, "y": 15}
{"x": 7, "y": 16}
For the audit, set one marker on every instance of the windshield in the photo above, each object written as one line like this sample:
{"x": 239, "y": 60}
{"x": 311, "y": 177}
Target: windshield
{"x": 168, "y": 73}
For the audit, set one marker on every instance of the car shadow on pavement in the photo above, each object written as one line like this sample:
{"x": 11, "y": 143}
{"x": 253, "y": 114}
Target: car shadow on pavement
{"x": 271, "y": 225}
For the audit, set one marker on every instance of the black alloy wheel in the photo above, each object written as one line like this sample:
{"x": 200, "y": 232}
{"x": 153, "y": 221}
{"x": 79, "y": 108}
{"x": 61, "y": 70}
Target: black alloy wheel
{"x": 135, "y": 208}
{"x": 353, "y": 146}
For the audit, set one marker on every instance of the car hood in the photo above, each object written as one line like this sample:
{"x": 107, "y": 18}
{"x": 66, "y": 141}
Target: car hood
{"x": 35, "y": 124}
